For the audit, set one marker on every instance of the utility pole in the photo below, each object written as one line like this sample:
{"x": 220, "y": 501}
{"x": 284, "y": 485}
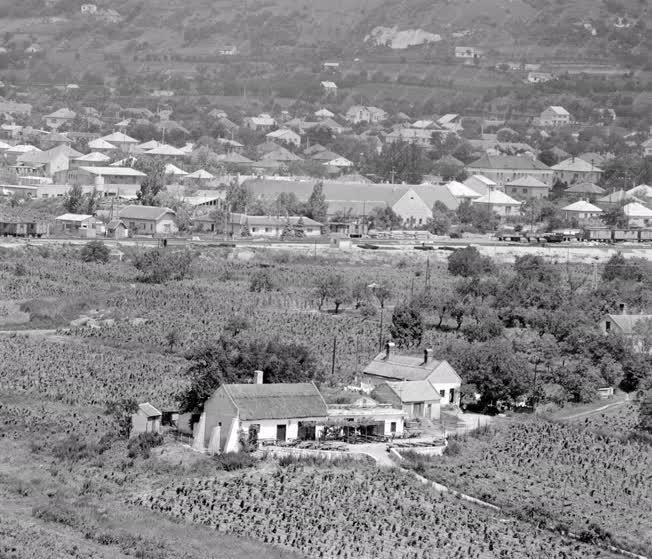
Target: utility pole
{"x": 380, "y": 330}
{"x": 333, "y": 358}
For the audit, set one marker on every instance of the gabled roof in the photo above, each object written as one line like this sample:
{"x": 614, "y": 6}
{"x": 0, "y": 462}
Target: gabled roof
{"x": 151, "y": 213}
{"x": 94, "y": 156}
{"x": 149, "y": 410}
{"x": 234, "y": 158}
{"x": 496, "y": 198}
{"x": 120, "y": 138}
{"x": 585, "y": 188}
{"x": 511, "y": 162}
{"x": 62, "y": 113}
{"x": 73, "y": 217}
{"x": 200, "y": 174}
{"x": 174, "y": 170}
{"x": 582, "y": 206}
{"x": 460, "y": 190}
{"x": 641, "y": 191}
{"x": 281, "y": 133}
{"x": 100, "y": 143}
{"x": 627, "y": 322}
{"x": 262, "y": 220}
{"x": 280, "y": 154}
{"x": 484, "y": 180}
{"x": 165, "y": 149}
{"x": 634, "y": 209}
{"x": 414, "y": 391}
{"x": 528, "y": 181}
{"x": 276, "y": 401}
{"x": 149, "y": 145}
{"x": 410, "y": 368}
{"x": 577, "y": 165}
{"x": 114, "y": 171}
{"x": 22, "y": 148}
{"x": 559, "y": 110}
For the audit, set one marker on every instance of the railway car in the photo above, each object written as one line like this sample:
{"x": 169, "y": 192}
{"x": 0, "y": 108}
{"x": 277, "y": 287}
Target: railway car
{"x": 622, "y": 235}
{"x": 24, "y": 229}
{"x": 597, "y": 234}
{"x": 645, "y": 236}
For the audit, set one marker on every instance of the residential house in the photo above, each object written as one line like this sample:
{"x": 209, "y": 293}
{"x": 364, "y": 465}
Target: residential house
{"x": 555, "y": 116}
{"x": 331, "y": 66}
{"x": 51, "y": 161}
{"x": 584, "y": 191}
{"x": 637, "y": 215}
{"x": 285, "y": 135}
{"x": 54, "y": 139}
{"x": 59, "y": 118}
{"x": 418, "y": 398}
{"x": 147, "y": 419}
{"x": 12, "y": 154}
{"x": 330, "y": 88}
{"x": 166, "y": 151}
{"x": 228, "y": 50}
{"x": 117, "y": 229}
{"x": 627, "y": 325}
{"x": 101, "y": 145}
{"x": 324, "y": 113}
{"x": 256, "y": 413}
{"x": 461, "y": 191}
{"x": 481, "y": 184}
{"x": 367, "y": 418}
{"x": 421, "y": 137}
{"x": 261, "y": 122}
{"x": 149, "y": 220}
{"x": 120, "y": 140}
{"x": 86, "y": 226}
{"x": 582, "y": 211}
{"x": 112, "y": 181}
{"x": 643, "y": 193}
{"x": 506, "y": 168}
{"x": 540, "y": 77}
{"x": 370, "y": 115}
{"x": 394, "y": 367}
{"x": 468, "y": 53}
{"x": 332, "y": 159}
{"x": 575, "y": 169}
{"x": 499, "y": 203}
{"x": 13, "y": 108}
{"x": 527, "y": 188}
{"x": 451, "y": 121}
{"x": 240, "y": 225}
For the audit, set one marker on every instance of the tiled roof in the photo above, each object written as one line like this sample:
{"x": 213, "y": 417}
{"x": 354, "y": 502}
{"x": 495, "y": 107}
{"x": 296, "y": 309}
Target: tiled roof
{"x": 510, "y": 162}
{"x": 277, "y": 401}
{"x": 414, "y": 391}
{"x": 151, "y": 213}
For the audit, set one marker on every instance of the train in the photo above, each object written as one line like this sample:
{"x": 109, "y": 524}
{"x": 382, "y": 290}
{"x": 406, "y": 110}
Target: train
{"x": 593, "y": 234}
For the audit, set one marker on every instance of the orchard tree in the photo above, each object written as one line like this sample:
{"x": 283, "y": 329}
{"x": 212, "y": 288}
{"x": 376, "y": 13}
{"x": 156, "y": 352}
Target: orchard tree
{"x": 618, "y": 267}
{"x": 469, "y": 262}
{"x": 153, "y": 183}
{"x": 407, "y": 326}
{"x": 95, "y": 251}
{"x": 316, "y": 207}
{"x": 74, "y": 200}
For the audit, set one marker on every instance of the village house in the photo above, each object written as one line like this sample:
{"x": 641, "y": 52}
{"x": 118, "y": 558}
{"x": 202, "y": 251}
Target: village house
{"x": 637, "y": 215}
{"x": 468, "y": 53}
{"x": 239, "y": 225}
{"x": 582, "y": 211}
{"x": 584, "y": 191}
{"x": 228, "y": 50}
{"x": 481, "y": 184}
{"x": 418, "y": 398}
{"x": 149, "y": 220}
{"x": 112, "y": 181}
{"x": 555, "y": 116}
{"x": 49, "y": 162}
{"x": 370, "y": 115}
{"x": 92, "y": 159}
{"x": 451, "y": 122}
{"x": 506, "y": 168}
{"x": 256, "y": 413}
{"x": 261, "y": 122}
{"x": 418, "y": 136}
{"x": 461, "y": 191}
{"x": 119, "y": 140}
{"x": 540, "y": 77}
{"x": 146, "y": 420}
{"x": 330, "y": 88}
{"x": 284, "y": 135}
{"x": 389, "y": 366}
{"x": 527, "y": 188}
{"x": 13, "y": 108}
{"x": 499, "y": 203}
{"x": 59, "y": 118}
{"x": 575, "y": 169}
{"x": 85, "y": 226}
{"x": 627, "y": 325}
{"x": 324, "y": 113}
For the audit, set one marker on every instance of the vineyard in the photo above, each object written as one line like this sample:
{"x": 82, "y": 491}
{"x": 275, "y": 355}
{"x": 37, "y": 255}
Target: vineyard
{"x": 559, "y": 475}
{"x": 354, "y": 513}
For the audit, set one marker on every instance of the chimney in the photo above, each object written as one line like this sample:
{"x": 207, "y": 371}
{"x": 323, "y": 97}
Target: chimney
{"x": 622, "y": 308}
{"x": 258, "y": 377}
{"x": 388, "y": 349}
{"x": 427, "y": 353}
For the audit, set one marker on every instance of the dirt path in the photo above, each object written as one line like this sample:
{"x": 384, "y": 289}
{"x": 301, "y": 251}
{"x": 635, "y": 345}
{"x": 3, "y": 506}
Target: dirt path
{"x": 596, "y": 411}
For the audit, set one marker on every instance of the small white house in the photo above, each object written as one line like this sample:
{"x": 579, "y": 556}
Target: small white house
{"x": 499, "y": 203}
{"x": 271, "y": 226}
{"x": 582, "y": 211}
{"x": 285, "y": 135}
{"x": 555, "y": 116}
{"x": 638, "y": 215}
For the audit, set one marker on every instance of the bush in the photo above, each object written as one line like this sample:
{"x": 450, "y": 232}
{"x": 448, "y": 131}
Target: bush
{"x": 142, "y": 445}
{"x": 261, "y": 281}
{"x": 95, "y": 251}
{"x": 469, "y": 262}
{"x": 161, "y": 265}
{"x": 232, "y": 461}
{"x": 74, "y": 449}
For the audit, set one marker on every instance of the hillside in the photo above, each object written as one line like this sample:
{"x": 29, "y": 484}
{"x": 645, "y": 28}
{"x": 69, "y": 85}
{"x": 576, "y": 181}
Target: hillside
{"x": 609, "y": 30}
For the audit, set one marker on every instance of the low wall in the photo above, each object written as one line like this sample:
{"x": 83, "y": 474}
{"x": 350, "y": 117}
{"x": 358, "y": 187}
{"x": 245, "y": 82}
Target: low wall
{"x": 327, "y": 455}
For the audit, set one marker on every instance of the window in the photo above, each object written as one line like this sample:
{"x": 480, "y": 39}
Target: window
{"x": 525, "y": 191}
{"x": 607, "y": 326}
{"x": 392, "y": 427}
{"x": 254, "y": 229}
{"x": 442, "y": 393}
{"x": 268, "y": 229}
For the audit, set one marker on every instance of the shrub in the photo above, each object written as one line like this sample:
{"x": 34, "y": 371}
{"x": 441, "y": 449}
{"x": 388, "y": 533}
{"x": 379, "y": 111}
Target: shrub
{"x": 161, "y": 265}
{"x": 261, "y": 281}
{"x": 469, "y": 262}
{"x": 232, "y": 461}
{"x": 142, "y": 445}
{"x": 74, "y": 449}
{"x": 95, "y": 251}
{"x": 55, "y": 512}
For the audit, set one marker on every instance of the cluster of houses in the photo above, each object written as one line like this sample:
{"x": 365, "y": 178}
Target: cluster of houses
{"x": 396, "y": 389}
{"x": 500, "y": 180}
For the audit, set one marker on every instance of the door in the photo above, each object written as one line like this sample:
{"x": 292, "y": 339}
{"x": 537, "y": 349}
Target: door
{"x": 417, "y": 409}
{"x": 281, "y": 431}
{"x": 451, "y": 398}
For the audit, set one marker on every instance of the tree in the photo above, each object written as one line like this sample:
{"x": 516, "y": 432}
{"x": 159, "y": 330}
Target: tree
{"x": 618, "y": 267}
{"x": 534, "y": 268}
{"x": 153, "y": 183}
{"x": 468, "y": 262}
{"x": 335, "y": 287}
{"x": 92, "y": 202}
{"x": 160, "y": 265}
{"x": 95, "y": 251}
{"x": 614, "y": 217}
{"x": 407, "y": 326}
{"x": 73, "y": 201}
{"x": 233, "y": 360}
{"x": 440, "y": 224}
{"x": 316, "y": 207}
{"x": 399, "y": 162}
{"x": 238, "y": 197}
{"x": 384, "y": 218}
{"x": 261, "y": 280}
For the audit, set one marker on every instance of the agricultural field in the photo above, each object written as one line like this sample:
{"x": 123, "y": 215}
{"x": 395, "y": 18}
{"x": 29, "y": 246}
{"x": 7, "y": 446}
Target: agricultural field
{"x": 353, "y": 513}
{"x": 558, "y": 475}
